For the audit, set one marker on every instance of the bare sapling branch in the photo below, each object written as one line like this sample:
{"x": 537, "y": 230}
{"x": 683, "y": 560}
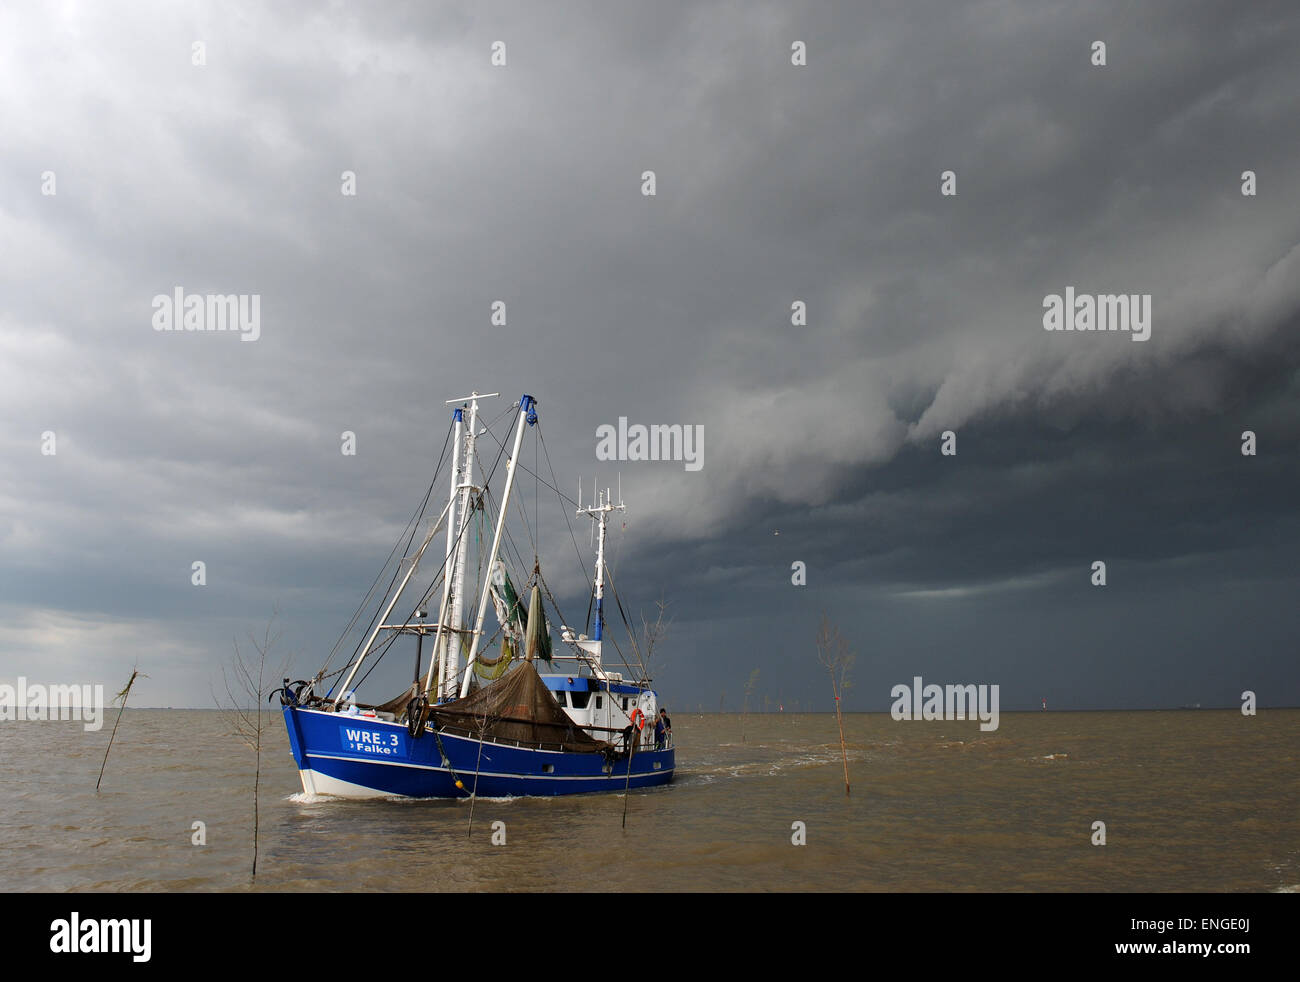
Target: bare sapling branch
{"x": 834, "y": 655}
{"x": 246, "y": 678}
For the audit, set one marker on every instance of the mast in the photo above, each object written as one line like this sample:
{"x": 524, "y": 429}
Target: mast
{"x": 528, "y": 414}
{"x": 599, "y": 514}
{"x": 463, "y": 484}
{"x": 441, "y": 642}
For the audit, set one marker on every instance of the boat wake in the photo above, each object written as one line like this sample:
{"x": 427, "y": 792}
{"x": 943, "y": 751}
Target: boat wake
{"x": 708, "y": 772}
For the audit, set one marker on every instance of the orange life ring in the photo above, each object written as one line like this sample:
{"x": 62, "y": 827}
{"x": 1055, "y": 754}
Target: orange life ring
{"x": 638, "y": 719}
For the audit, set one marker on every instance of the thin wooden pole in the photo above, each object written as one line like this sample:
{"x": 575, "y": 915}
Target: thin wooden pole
{"x": 843, "y": 749}
{"x": 627, "y": 784}
{"x": 135, "y": 673}
{"x": 473, "y": 795}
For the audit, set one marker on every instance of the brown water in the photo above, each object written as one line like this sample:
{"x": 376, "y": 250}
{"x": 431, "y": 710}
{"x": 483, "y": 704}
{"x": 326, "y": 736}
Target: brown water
{"x": 1197, "y": 800}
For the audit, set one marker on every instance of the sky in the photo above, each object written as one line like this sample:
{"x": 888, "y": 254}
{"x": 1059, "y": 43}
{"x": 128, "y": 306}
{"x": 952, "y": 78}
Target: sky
{"x": 378, "y": 180}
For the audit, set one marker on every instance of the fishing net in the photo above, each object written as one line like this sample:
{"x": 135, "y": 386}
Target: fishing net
{"x": 518, "y": 709}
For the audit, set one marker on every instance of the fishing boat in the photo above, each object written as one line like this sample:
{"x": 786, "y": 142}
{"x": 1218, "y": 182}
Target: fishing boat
{"x": 480, "y": 718}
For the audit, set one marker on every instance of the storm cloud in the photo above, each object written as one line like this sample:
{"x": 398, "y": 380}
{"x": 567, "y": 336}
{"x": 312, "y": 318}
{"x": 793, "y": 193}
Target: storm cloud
{"x": 776, "y": 184}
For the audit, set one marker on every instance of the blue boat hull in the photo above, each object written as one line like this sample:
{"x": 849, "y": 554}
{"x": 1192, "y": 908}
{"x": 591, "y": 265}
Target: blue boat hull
{"x": 354, "y": 756}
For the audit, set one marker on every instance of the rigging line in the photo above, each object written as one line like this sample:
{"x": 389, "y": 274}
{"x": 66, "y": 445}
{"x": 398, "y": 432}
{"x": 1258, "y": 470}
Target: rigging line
{"x": 526, "y": 578}
{"x": 378, "y": 656}
{"x": 582, "y": 572}
{"x": 398, "y": 568}
{"x": 483, "y": 495}
{"x": 473, "y": 797}
{"x": 582, "y": 569}
{"x": 443, "y": 754}
{"x": 510, "y": 541}
{"x": 387, "y": 644}
{"x": 525, "y": 469}
{"x": 381, "y": 651}
{"x": 523, "y": 514}
{"x": 384, "y": 647}
{"x": 413, "y": 525}
{"x": 479, "y": 583}
{"x": 487, "y": 482}
{"x": 612, "y": 568}
{"x": 499, "y": 416}
{"x": 487, "y": 431}
{"x": 622, "y": 657}
{"x": 546, "y": 589}
{"x": 631, "y": 636}
{"x": 428, "y": 494}
{"x": 537, "y": 516}
{"x": 423, "y": 603}
{"x": 507, "y": 543}
{"x": 627, "y": 783}
{"x": 537, "y": 578}
{"x": 460, "y": 673}
{"x": 485, "y": 514}
{"x": 529, "y": 580}
{"x": 618, "y": 549}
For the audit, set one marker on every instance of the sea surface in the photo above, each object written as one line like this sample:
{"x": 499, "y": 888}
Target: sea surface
{"x": 1203, "y": 800}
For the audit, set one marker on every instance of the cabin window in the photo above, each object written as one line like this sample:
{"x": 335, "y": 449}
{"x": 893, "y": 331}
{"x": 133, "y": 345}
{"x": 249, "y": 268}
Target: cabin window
{"x": 548, "y": 768}
{"x": 600, "y": 701}
{"x": 559, "y": 697}
{"x": 580, "y": 699}
{"x": 625, "y": 704}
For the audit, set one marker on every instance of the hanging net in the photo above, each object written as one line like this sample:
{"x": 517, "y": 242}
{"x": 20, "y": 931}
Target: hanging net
{"x": 516, "y": 709}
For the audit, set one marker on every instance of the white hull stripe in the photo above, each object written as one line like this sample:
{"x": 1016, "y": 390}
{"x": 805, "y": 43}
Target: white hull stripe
{"x": 621, "y": 775}
{"x": 375, "y": 721}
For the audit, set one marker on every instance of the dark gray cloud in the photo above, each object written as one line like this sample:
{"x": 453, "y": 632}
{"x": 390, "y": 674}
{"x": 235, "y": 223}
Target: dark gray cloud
{"x": 775, "y": 184}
